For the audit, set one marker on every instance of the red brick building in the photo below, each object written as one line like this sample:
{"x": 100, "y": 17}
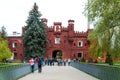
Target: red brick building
{"x": 62, "y": 41}
{"x": 16, "y": 45}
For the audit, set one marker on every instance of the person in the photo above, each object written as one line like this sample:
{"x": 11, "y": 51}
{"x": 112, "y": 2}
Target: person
{"x": 46, "y": 61}
{"x": 69, "y": 62}
{"x": 64, "y": 62}
{"x": 39, "y": 61}
{"x": 32, "y": 63}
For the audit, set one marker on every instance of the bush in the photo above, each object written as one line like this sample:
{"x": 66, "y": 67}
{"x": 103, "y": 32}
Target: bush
{"x": 109, "y": 59}
{"x": 90, "y": 60}
{"x": 95, "y": 61}
{"x": 83, "y": 59}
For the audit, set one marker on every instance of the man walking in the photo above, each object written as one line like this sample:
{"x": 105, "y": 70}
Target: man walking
{"x": 40, "y": 63}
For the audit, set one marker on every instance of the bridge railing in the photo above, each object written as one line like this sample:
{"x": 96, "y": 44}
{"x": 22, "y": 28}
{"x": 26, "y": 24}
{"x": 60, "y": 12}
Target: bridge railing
{"x": 102, "y": 72}
{"x": 15, "y": 71}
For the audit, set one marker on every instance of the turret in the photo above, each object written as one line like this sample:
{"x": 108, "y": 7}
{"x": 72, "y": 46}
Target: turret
{"x": 71, "y": 22}
{"x": 70, "y": 28}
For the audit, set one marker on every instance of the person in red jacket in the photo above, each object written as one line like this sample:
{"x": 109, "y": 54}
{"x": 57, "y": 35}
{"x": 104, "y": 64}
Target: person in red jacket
{"x": 32, "y": 63}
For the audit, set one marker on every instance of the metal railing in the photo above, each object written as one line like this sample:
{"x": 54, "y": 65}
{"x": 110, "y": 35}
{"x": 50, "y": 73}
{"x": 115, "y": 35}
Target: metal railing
{"x": 14, "y": 72}
{"x": 102, "y": 72}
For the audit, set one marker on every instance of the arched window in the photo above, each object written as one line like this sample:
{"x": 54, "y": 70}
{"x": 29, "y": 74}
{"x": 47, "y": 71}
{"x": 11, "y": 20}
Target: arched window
{"x": 80, "y": 43}
{"x": 74, "y": 44}
{"x": 57, "y": 28}
{"x": 15, "y": 55}
{"x": 14, "y": 45}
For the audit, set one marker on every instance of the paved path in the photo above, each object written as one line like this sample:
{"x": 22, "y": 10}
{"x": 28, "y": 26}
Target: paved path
{"x": 58, "y": 73}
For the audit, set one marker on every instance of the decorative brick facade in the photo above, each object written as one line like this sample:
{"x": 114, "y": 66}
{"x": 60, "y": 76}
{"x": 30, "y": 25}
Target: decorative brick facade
{"x": 63, "y": 40}
{"x": 70, "y": 43}
{"x": 16, "y": 45}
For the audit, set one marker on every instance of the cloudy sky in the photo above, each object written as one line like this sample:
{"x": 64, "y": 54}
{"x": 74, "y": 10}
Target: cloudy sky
{"x": 14, "y": 13}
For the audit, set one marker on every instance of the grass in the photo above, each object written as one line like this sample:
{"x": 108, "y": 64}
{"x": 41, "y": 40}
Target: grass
{"x": 117, "y": 63}
{"x": 9, "y": 65}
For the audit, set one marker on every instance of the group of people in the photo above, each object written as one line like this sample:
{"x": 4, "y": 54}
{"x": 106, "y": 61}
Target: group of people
{"x": 59, "y": 62}
{"x": 39, "y": 62}
{"x": 50, "y": 62}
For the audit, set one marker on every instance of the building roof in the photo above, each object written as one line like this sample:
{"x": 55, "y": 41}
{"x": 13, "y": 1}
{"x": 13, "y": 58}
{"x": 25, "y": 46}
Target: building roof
{"x": 14, "y": 35}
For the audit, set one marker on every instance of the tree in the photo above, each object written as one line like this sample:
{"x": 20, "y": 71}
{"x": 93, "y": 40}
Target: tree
{"x": 34, "y": 38}
{"x": 5, "y": 52}
{"x": 105, "y": 16}
{"x": 3, "y": 32}
{"x": 95, "y": 50}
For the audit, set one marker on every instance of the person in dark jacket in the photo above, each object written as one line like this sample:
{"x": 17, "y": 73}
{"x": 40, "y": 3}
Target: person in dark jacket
{"x": 39, "y": 61}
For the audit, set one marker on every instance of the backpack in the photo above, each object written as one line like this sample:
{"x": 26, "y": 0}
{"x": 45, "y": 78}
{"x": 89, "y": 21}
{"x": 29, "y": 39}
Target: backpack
{"x": 41, "y": 62}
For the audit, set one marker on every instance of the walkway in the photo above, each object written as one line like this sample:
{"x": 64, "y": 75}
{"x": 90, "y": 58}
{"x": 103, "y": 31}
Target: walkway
{"x": 59, "y": 73}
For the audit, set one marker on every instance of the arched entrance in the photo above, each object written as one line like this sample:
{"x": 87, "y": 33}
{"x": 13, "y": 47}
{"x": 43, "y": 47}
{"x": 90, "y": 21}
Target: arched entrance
{"x": 57, "y": 54}
{"x": 80, "y": 55}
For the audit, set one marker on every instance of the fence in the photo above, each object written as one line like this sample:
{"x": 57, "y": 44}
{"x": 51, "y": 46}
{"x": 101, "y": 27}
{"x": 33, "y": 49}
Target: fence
{"x": 14, "y": 72}
{"x": 102, "y": 72}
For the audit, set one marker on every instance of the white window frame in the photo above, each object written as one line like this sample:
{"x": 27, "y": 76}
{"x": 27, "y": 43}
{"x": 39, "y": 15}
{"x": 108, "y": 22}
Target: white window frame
{"x": 57, "y": 40}
{"x": 14, "y": 44}
{"x": 79, "y": 43}
{"x": 59, "y": 28}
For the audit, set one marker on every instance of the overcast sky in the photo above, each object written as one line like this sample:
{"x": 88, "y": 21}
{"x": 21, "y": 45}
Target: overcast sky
{"x": 14, "y": 13}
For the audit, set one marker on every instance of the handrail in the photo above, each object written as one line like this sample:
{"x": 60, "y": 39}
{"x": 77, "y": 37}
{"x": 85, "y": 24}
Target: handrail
{"x": 14, "y": 72}
{"x": 101, "y": 72}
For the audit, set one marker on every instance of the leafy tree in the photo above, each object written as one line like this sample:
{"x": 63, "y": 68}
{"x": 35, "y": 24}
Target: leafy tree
{"x": 116, "y": 48}
{"x": 5, "y": 52}
{"x": 105, "y": 16}
{"x": 95, "y": 50}
{"x": 34, "y": 38}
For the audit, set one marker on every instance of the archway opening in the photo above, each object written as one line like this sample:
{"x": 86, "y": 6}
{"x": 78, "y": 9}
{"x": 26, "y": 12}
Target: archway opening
{"x": 80, "y": 55}
{"x": 57, "y": 54}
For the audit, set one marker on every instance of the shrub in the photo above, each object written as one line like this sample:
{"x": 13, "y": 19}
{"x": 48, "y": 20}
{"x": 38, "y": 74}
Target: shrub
{"x": 83, "y": 59}
{"x": 109, "y": 59}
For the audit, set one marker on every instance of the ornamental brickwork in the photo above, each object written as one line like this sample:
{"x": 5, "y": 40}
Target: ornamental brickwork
{"x": 16, "y": 45}
{"x": 63, "y": 42}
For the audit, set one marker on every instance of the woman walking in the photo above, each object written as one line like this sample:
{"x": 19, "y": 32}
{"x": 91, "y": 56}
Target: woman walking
{"x": 32, "y": 62}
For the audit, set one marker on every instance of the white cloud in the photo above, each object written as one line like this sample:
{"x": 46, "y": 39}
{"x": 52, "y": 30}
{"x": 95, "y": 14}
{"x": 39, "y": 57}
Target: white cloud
{"x": 14, "y": 13}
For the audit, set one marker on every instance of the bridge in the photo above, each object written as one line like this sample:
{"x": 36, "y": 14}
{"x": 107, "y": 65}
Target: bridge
{"x": 58, "y": 73}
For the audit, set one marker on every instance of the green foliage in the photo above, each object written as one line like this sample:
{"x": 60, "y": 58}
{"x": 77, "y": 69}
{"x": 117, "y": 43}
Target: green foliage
{"x": 59, "y": 55}
{"x": 95, "y": 61}
{"x": 34, "y": 38}
{"x": 5, "y": 52}
{"x": 109, "y": 59}
{"x": 95, "y": 50}
{"x": 115, "y": 50}
{"x": 105, "y": 16}
{"x": 83, "y": 59}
